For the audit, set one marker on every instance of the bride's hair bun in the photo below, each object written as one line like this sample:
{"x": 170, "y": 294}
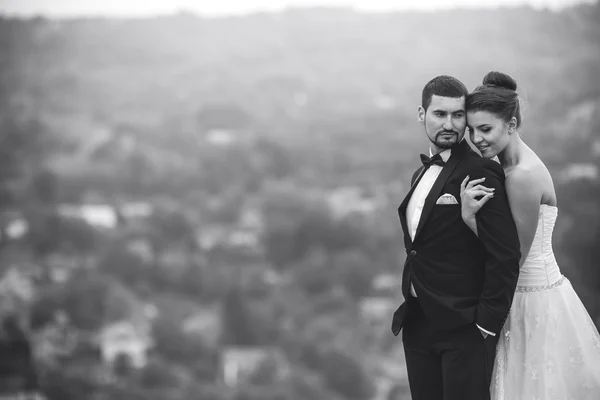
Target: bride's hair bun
{"x": 498, "y": 95}
{"x": 498, "y": 79}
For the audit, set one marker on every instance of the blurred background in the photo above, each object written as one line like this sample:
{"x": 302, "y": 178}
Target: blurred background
{"x": 198, "y": 199}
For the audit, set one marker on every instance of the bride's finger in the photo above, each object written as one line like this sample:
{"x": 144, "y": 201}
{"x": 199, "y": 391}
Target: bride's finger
{"x": 481, "y": 187}
{"x": 474, "y": 182}
{"x": 463, "y": 183}
{"x": 476, "y": 193}
{"x": 485, "y": 198}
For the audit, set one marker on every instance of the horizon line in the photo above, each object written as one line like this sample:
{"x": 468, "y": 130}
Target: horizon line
{"x": 288, "y": 9}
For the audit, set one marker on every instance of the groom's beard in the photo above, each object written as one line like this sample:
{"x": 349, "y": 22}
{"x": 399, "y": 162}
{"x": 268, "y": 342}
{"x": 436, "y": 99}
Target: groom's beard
{"x": 445, "y": 139}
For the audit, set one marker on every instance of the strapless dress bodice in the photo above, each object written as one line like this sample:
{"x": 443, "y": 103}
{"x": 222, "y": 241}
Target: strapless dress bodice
{"x": 540, "y": 268}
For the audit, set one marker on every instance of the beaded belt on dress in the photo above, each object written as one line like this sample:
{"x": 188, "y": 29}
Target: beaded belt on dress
{"x": 541, "y": 288}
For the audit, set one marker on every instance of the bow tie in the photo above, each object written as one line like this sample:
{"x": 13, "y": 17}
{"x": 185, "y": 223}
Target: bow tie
{"x": 435, "y": 160}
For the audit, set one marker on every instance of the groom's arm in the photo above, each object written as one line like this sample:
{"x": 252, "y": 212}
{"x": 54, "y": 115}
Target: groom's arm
{"x": 498, "y": 234}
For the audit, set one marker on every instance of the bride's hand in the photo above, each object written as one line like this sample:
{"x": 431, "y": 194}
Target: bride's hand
{"x": 469, "y": 192}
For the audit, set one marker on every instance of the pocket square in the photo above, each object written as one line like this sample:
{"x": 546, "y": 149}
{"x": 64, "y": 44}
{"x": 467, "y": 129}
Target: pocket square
{"x": 446, "y": 199}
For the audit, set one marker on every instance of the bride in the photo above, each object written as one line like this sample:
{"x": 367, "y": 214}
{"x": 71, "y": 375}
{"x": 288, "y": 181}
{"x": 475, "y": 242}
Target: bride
{"x": 549, "y": 347}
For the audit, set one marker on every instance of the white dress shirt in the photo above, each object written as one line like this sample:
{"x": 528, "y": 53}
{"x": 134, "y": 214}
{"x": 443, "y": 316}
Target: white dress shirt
{"x": 414, "y": 209}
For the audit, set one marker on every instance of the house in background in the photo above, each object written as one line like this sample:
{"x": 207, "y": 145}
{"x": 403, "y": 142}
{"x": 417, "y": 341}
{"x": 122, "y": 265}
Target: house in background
{"x": 101, "y": 216}
{"x": 350, "y": 200}
{"x": 134, "y": 211}
{"x": 579, "y": 171}
{"x": 55, "y": 339}
{"x": 106, "y": 216}
{"x": 207, "y": 324}
{"x": 386, "y": 283}
{"x": 251, "y": 218}
{"x": 60, "y": 267}
{"x": 221, "y": 137}
{"x": 212, "y": 237}
{"x": 125, "y": 340}
{"x": 16, "y": 286}
{"x": 141, "y": 247}
{"x": 240, "y": 364}
{"x": 13, "y": 226}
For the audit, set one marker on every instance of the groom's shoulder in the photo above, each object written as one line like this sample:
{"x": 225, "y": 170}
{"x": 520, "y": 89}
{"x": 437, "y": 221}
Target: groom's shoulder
{"x": 474, "y": 161}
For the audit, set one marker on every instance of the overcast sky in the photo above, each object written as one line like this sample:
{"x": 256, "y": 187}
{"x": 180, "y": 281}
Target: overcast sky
{"x": 228, "y": 7}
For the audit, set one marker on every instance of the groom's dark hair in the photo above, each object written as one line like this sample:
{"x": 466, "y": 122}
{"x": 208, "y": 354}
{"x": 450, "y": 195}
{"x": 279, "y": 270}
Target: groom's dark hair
{"x": 445, "y": 86}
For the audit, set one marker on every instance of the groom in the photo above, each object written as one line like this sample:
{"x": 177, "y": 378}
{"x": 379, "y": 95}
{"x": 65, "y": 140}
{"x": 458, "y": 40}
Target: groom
{"x": 458, "y": 288}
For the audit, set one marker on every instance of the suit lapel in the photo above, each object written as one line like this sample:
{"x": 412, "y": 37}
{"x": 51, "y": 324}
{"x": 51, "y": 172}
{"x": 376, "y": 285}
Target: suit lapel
{"x": 404, "y": 204}
{"x": 457, "y": 154}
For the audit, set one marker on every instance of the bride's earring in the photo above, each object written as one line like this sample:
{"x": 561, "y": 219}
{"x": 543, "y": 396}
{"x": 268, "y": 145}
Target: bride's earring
{"x": 512, "y": 126}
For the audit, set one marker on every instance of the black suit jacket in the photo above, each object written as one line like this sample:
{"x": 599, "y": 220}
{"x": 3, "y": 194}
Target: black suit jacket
{"x": 460, "y": 278}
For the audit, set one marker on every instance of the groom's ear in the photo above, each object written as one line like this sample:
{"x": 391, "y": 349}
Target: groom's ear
{"x": 421, "y": 114}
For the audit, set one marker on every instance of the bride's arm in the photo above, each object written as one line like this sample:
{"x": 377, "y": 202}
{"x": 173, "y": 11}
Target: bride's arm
{"x": 470, "y": 205}
{"x": 471, "y": 222}
{"x": 498, "y": 237}
{"x": 524, "y": 201}
{"x": 524, "y": 198}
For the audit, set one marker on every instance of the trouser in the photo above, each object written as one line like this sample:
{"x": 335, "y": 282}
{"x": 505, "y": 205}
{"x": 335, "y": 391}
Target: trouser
{"x": 446, "y": 365}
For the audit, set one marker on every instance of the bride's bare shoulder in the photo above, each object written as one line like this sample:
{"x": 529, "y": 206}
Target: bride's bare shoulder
{"x": 521, "y": 175}
{"x": 531, "y": 176}
{"x": 530, "y": 166}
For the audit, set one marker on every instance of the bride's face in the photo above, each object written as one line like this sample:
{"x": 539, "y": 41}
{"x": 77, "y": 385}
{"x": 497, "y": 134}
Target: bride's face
{"x": 487, "y": 132}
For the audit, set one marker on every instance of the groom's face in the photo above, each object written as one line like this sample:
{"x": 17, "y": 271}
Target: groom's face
{"x": 444, "y": 121}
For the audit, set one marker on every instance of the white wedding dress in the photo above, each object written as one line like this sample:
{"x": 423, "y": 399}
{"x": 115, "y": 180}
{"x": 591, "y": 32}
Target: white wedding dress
{"x": 549, "y": 348}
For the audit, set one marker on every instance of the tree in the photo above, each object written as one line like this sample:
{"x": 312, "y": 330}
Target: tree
{"x": 175, "y": 345}
{"x": 50, "y": 232}
{"x": 314, "y": 274}
{"x": 251, "y": 392}
{"x": 158, "y": 374}
{"x": 223, "y": 116}
{"x": 123, "y": 265}
{"x": 20, "y": 151}
{"x": 580, "y": 244}
{"x": 266, "y": 374}
{"x": 275, "y": 159}
{"x": 345, "y": 376}
{"x": 294, "y": 224}
{"x": 91, "y": 300}
{"x": 25, "y": 182}
{"x": 399, "y": 392}
{"x": 355, "y": 271}
{"x": 304, "y": 385}
{"x": 238, "y": 324}
{"x": 172, "y": 227}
